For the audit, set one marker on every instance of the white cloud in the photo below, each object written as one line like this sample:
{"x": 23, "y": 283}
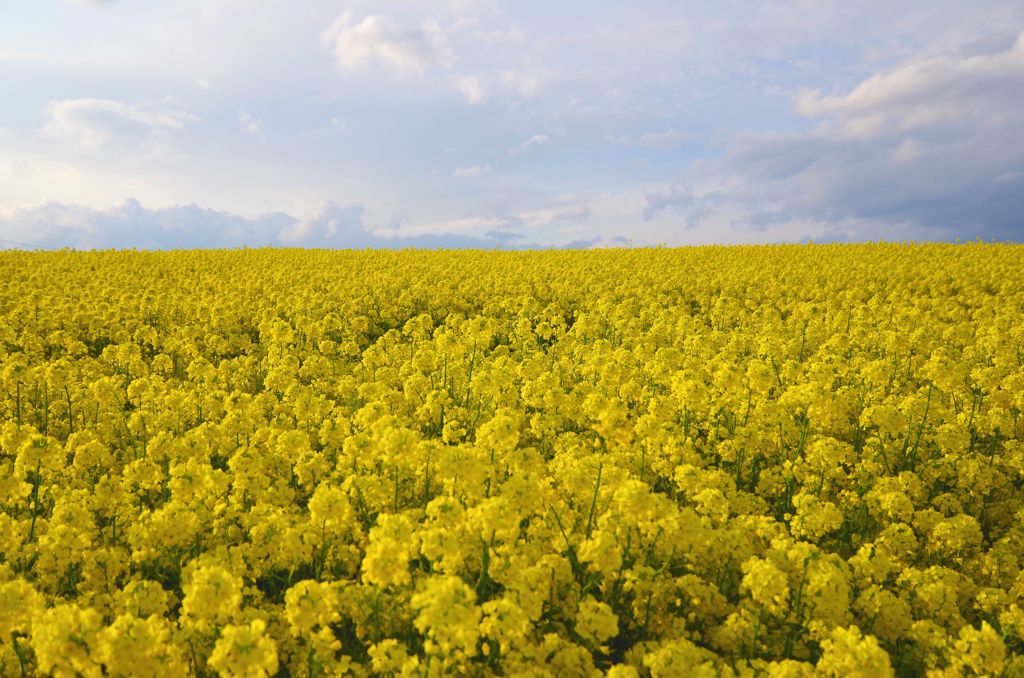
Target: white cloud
{"x": 249, "y": 122}
{"x": 532, "y": 142}
{"x": 569, "y": 219}
{"x": 524, "y": 84}
{"x": 129, "y": 224}
{"x": 101, "y": 123}
{"x": 925, "y": 93}
{"x": 503, "y": 220}
{"x": 512, "y": 35}
{"x": 472, "y": 171}
{"x": 576, "y": 215}
{"x": 329, "y": 222}
{"x": 56, "y": 225}
{"x": 379, "y": 41}
{"x": 471, "y": 88}
{"x": 663, "y": 140}
{"x": 517, "y": 84}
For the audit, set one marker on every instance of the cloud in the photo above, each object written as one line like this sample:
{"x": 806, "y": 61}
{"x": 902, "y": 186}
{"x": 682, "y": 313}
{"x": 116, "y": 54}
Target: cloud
{"x": 471, "y": 88}
{"x": 102, "y": 123}
{"x": 694, "y": 209}
{"x": 330, "y": 223}
{"x": 88, "y": 3}
{"x": 57, "y": 225}
{"x": 526, "y": 85}
{"x": 556, "y": 218}
{"x": 532, "y": 142}
{"x": 473, "y": 171}
{"x": 911, "y": 116}
{"x": 512, "y": 35}
{"x": 583, "y": 244}
{"x": 675, "y": 199}
{"x": 378, "y": 41}
{"x": 938, "y": 94}
{"x": 576, "y": 215}
{"x": 249, "y": 122}
{"x": 661, "y": 141}
{"x": 990, "y": 43}
{"x": 504, "y": 237}
{"x": 518, "y": 84}
{"x": 930, "y": 149}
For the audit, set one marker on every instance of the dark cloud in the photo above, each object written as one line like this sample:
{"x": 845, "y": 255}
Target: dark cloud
{"x": 693, "y": 208}
{"x": 504, "y": 237}
{"x": 992, "y": 43}
{"x": 581, "y": 244}
{"x": 932, "y": 149}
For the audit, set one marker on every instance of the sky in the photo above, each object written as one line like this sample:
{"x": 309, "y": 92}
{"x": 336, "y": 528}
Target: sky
{"x": 479, "y": 123}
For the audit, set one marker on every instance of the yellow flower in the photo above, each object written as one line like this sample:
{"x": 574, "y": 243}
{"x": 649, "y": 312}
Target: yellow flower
{"x": 391, "y": 546}
{"x": 814, "y": 518}
{"x": 505, "y": 622}
{"x": 602, "y": 553}
{"x": 767, "y": 584}
{"x": 981, "y": 650}
{"x": 447, "y": 615}
{"x": 846, "y": 652}
{"x": 310, "y": 604}
{"x": 678, "y": 658}
{"x": 388, "y": 656}
{"x": 18, "y": 602}
{"x": 64, "y": 639}
{"x": 140, "y": 647}
{"x": 213, "y": 596}
{"x": 245, "y": 652}
{"x": 760, "y": 376}
{"x": 595, "y": 621}
{"x": 706, "y": 461}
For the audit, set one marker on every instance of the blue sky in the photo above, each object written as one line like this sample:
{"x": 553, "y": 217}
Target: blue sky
{"x": 480, "y": 123}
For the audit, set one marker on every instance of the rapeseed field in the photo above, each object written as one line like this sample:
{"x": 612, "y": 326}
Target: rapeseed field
{"x": 719, "y": 461}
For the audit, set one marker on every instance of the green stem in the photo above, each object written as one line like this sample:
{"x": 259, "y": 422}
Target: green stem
{"x": 803, "y": 342}
{"x": 71, "y": 420}
{"x": 593, "y": 501}
{"x": 920, "y": 429}
{"x": 426, "y": 482}
{"x": 396, "y": 488}
{"x": 18, "y": 654}
{"x": 35, "y": 504}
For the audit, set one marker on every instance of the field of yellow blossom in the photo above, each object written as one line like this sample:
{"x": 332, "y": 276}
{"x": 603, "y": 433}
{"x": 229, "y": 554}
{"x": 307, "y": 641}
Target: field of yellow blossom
{"x": 718, "y": 461}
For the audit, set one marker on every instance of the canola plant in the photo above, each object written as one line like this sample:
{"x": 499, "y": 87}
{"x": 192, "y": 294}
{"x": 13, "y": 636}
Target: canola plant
{"x": 780, "y": 460}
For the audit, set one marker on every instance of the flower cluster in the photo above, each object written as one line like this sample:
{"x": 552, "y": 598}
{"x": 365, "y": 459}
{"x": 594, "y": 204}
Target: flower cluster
{"x": 785, "y": 461}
